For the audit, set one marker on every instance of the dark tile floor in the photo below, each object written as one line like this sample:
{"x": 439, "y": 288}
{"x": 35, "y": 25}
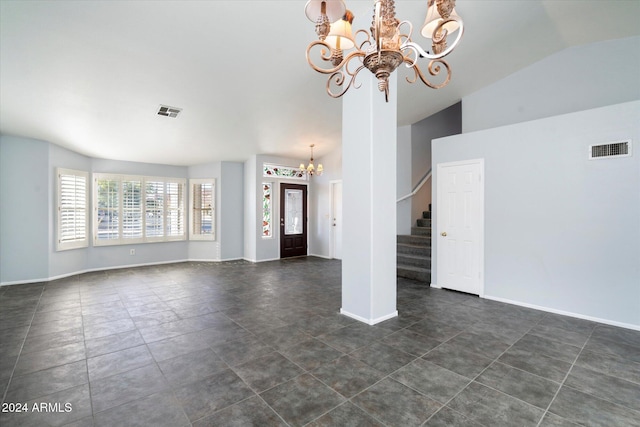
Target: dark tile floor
{"x": 235, "y": 344}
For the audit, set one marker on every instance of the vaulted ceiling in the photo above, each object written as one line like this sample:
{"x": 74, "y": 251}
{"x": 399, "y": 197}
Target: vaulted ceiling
{"x": 90, "y": 75}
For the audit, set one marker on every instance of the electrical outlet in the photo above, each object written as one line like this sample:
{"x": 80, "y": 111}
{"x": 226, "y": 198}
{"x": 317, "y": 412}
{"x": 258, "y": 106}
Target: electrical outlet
{"x": 132, "y": 251}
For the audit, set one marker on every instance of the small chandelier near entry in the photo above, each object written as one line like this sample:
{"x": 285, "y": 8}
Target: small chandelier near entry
{"x": 385, "y": 47}
{"x": 311, "y": 169}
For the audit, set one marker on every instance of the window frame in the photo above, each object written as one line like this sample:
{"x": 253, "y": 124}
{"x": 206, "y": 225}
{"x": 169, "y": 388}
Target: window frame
{"x": 121, "y": 179}
{"x": 193, "y": 208}
{"x": 63, "y": 245}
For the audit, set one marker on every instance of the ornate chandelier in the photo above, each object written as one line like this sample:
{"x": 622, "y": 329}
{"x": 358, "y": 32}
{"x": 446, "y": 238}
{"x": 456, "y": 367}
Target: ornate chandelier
{"x": 384, "y": 47}
{"x": 311, "y": 169}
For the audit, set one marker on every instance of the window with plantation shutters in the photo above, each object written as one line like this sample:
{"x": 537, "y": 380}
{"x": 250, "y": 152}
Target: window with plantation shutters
{"x": 175, "y": 209}
{"x": 137, "y": 209}
{"x": 107, "y": 208}
{"x": 72, "y": 210}
{"x": 132, "y": 209}
{"x": 154, "y": 202}
{"x": 202, "y": 209}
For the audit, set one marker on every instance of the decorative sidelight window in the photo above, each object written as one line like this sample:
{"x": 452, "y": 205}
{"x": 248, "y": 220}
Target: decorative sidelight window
{"x": 266, "y": 210}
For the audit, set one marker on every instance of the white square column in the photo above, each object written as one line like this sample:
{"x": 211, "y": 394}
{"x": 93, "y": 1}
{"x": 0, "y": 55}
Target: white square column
{"x": 369, "y": 137}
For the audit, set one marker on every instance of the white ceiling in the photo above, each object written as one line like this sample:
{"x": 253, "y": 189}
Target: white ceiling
{"x": 90, "y": 75}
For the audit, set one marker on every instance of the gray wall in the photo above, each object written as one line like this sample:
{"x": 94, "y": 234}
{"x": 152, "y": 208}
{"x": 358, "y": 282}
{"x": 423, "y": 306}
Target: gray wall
{"x": 562, "y": 232}
{"x": 251, "y": 204}
{"x": 575, "y": 79}
{"x": 24, "y": 209}
{"x": 208, "y": 250}
{"x": 104, "y": 257}
{"x": 231, "y": 209}
{"x": 444, "y": 123}
{"x": 64, "y": 262}
{"x": 403, "y": 182}
{"x": 27, "y": 234}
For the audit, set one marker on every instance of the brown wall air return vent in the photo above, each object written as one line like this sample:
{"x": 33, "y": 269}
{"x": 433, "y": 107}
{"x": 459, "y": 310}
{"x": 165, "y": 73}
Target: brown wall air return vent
{"x": 610, "y": 149}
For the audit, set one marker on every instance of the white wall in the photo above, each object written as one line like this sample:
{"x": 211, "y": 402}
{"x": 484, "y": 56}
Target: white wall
{"x": 562, "y": 233}
{"x": 369, "y": 150}
{"x": 320, "y": 195}
{"x": 575, "y": 79}
{"x": 320, "y": 204}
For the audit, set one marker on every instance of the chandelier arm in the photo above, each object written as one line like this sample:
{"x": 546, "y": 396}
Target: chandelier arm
{"x": 437, "y": 38}
{"x": 434, "y": 69}
{"x": 327, "y": 57}
{"x": 405, "y": 38}
{"x": 365, "y": 42}
{"x": 338, "y": 78}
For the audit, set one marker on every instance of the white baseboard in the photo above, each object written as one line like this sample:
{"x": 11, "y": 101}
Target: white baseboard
{"x": 261, "y": 260}
{"x": 369, "y": 321}
{"x": 90, "y": 270}
{"x": 556, "y": 311}
{"x": 321, "y": 256}
{"x": 565, "y": 313}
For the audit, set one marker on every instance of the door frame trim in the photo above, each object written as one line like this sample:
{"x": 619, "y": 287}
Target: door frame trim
{"x": 280, "y": 213}
{"x": 332, "y": 245}
{"x": 435, "y": 231}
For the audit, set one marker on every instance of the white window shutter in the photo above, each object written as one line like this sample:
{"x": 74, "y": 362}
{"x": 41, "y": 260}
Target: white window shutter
{"x": 72, "y": 209}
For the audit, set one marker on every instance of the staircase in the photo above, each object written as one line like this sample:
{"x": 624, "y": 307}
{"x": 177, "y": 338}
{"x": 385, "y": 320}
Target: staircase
{"x": 414, "y": 251}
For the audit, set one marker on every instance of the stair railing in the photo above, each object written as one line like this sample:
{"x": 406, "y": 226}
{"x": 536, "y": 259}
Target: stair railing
{"x": 417, "y": 187}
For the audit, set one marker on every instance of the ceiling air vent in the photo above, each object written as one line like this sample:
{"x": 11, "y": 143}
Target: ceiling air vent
{"x": 169, "y": 111}
{"x": 611, "y": 149}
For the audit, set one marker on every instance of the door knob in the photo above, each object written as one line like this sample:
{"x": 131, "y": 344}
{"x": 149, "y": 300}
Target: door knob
{"x": 443, "y": 234}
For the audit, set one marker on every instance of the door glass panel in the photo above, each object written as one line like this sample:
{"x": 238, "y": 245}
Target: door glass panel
{"x": 293, "y": 212}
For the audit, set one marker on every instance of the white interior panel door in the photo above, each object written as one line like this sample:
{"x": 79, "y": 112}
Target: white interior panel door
{"x": 336, "y": 219}
{"x": 460, "y": 213}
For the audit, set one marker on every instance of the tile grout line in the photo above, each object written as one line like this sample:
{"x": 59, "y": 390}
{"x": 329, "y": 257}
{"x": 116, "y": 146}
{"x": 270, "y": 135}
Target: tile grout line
{"x": 482, "y": 371}
{"x": 13, "y": 370}
{"x": 93, "y": 413}
{"x": 388, "y": 376}
{"x": 86, "y": 359}
{"x": 546, "y": 411}
{"x": 201, "y": 290}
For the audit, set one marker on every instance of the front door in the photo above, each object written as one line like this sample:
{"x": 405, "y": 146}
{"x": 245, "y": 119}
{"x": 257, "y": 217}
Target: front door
{"x": 293, "y": 220}
{"x": 459, "y": 233}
